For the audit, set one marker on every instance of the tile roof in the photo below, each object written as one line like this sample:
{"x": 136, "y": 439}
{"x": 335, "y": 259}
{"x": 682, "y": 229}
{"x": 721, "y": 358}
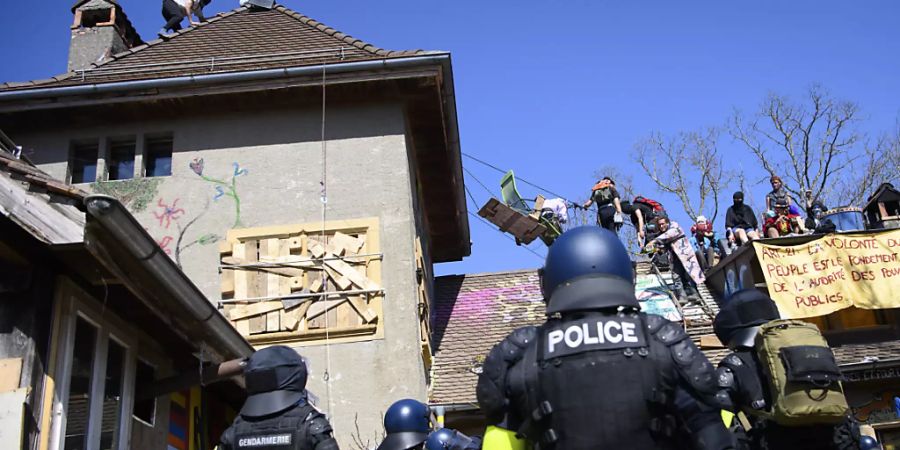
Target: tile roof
{"x": 474, "y": 312}
{"x": 239, "y": 40}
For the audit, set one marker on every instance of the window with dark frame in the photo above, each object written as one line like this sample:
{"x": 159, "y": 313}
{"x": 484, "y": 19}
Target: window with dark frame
{"x": 145, "y": 409}
{"x": 120, "y": 163}
{"x": 158, "y": 156}
{"x": 83, "y": 162}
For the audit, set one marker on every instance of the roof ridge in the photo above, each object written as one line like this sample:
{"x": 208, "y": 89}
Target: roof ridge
{"x": 346, "y": 38}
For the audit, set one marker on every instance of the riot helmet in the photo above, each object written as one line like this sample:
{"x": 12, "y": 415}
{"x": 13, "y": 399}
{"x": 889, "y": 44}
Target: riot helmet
{"x": 587, "y": 268}
{"x": 446, "y": 438}
{"x": 738, "y": 321}
{"x": 276, "y": 380}
{"x": 868, "y": 443}
{"x": 407, "y": 423}
{"x": 439, "y": 439}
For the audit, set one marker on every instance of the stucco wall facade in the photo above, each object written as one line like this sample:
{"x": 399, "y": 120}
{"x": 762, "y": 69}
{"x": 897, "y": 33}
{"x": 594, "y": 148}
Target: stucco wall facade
{"x": 273, "y": 160}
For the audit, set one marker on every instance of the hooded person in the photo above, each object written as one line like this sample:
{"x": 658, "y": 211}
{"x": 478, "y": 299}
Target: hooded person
{"x": 277, "y": 413}
{"x": 740, "y": 221}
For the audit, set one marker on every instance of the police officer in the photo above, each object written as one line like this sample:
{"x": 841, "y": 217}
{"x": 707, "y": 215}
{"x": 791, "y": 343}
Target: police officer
{"x": 277, "y": 414}
{"x": 742, "y": 377}
{"x": 447, "y": 439}
{"x": 598, "y": 373}
{"x": 407, "y": 423}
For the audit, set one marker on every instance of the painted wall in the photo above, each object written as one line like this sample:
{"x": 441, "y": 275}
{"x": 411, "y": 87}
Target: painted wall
{"x": 265, "y": 168}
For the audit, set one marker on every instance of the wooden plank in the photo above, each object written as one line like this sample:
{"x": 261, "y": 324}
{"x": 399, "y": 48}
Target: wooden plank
{"x": 255, "y": 309}
{"x": 355, "y": 277}
{"x": 315, "y": 249}
{"x": 363, "y": 309}
{"x": 54, "y": 224}
{"x": 273, "y": 321}
{"x": 316, "y": 284}
{"x": 710, "y": 341}
{"x": 290, "y": 320}
{"x": 243, "y": 327}
{"x": 257, "y": 324}
{"x": 240, "y": 277}
{"x": 10, "y": 374}
{"x": 348, "y": 244}
{"x": 320, "y": 306}
{"x": 284, "y": 271}
{"x": 341, "y": 281}
{"x": 284, "y": 284}
{"x": 345, "y": 316}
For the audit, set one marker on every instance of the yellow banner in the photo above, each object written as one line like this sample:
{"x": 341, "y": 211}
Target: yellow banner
{"x": 833, "y": 273}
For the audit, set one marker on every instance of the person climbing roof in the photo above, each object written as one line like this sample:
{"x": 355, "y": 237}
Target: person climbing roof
{"x": 609, "y": 206}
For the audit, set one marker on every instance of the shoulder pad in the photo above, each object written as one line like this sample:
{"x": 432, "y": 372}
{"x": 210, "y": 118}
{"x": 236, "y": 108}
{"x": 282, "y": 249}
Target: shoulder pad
{"x": 725, "y": 377}
{"x": 491, "y": 389}
{"x": 654, "y": 322}
{"x": 671, "y": 333}
{"x": 319, "y": 425}
{"x": 695, "y": 369}
{"x": 731, "y": 360}
{"x": 513, "y": 346}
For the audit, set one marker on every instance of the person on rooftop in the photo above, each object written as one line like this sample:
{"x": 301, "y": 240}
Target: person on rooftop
{"x": 780, "y": 193}
{"x": 174, "y": 12}
{"x": 740, "y": 221}
{"x": 609, "y": 206}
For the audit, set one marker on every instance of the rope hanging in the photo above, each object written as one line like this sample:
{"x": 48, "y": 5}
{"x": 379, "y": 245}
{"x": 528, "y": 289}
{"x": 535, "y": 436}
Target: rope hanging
{"x": 324, "y": 199}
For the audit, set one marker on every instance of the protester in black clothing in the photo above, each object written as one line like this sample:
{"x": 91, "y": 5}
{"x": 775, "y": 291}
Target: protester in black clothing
{"x": 740, "y": 221}
{"x": 609, "y": 207}
{"x": 643, "y": 217}
{"x": 175, "y": 11}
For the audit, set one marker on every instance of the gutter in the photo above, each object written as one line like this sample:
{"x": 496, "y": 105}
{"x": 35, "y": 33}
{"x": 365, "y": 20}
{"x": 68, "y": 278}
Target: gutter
{"x": 218, "y": 78}
{"x": 125, "y": 230}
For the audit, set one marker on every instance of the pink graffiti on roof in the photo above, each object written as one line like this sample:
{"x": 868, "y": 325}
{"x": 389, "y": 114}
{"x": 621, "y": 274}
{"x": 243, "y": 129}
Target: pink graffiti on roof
{"x": 520, "y": 303}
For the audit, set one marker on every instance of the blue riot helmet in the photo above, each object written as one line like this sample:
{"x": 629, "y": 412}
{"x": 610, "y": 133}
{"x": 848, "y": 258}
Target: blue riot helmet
{"x": 439, "y": 440}
{"x": 446, "y": 439}
{"x": 868, "y": 443}
{"x": 587, "y": 268}
{"x": 407, "y": 423}
{"x": 739, "y": 319}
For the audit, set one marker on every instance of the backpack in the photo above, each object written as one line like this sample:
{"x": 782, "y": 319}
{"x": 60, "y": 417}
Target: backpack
{"x": 656, "y": 206}
{"x": 802, "y": 374}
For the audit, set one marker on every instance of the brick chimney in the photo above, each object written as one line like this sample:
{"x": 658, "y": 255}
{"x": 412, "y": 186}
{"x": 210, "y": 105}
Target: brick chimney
{"x": 100, "y": 30}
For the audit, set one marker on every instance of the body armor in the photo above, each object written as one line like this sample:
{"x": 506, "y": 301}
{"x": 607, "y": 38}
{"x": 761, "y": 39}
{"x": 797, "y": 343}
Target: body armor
{"x": 594, "y": 377}
{"x": 301, "y": 427}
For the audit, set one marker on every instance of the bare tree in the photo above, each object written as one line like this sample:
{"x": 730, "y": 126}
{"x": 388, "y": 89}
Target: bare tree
{"x": 879, "y": 163}
{"x": 361, "y": 442}
{"x": 811, "y": 143}
{"x": 687, "y": 165}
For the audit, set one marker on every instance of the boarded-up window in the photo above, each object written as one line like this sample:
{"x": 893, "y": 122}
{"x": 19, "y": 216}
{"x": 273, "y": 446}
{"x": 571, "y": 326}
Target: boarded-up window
{"x": 297, "y": 283}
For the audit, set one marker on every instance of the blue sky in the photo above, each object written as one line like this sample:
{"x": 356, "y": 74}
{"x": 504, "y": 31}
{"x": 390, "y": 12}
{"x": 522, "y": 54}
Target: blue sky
{"x": 556, "y": 90}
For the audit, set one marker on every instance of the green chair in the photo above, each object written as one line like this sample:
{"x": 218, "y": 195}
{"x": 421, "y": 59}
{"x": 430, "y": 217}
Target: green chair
{"x": 511, "y": 195}
{"x": 515, "y": 201}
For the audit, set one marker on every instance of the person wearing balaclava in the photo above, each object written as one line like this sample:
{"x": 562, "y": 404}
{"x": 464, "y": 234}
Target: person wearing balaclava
{"x": 740, "y": 221}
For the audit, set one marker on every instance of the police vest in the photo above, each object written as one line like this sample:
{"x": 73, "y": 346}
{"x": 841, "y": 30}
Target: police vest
{"x": 608, "y": 382}
{"x": 289, "y": 430}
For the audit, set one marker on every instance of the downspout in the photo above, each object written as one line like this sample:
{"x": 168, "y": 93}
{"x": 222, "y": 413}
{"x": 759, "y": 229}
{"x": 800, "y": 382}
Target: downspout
{"x": 125, "y": 229}
{"x": 200, "y": 80}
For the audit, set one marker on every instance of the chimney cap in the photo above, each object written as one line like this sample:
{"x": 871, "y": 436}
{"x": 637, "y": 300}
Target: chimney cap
{"x": 80, "y": 3}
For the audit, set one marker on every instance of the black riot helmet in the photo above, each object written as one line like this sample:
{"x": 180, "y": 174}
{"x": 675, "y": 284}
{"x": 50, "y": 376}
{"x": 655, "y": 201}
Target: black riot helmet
{"x": 587, "y": 268}
{"x": 276, "y": 380}
{"x": 737, "y": 323}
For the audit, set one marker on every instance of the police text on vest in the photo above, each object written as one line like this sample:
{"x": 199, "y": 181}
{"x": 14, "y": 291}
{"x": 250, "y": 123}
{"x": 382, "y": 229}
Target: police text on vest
{"x": 264, "y": 441}
{"x": 592, "y": 334}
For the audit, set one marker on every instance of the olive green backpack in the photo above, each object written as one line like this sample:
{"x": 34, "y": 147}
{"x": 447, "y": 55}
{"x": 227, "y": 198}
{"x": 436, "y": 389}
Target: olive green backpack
{"x": 804, "y": 378}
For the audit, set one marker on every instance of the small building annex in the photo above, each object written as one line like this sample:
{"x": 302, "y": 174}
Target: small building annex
{"x": 102, "y": 339}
